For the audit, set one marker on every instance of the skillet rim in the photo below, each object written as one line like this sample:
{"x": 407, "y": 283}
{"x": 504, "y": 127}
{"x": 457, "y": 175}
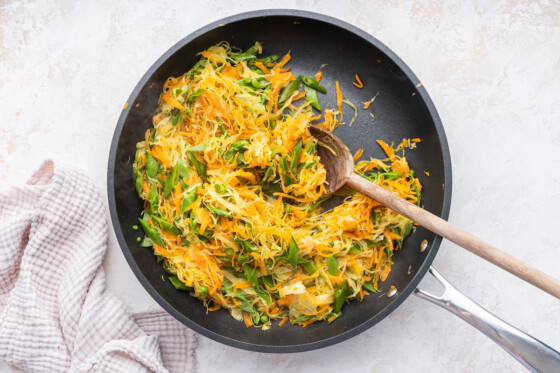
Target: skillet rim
{"x": 401, "y": 295}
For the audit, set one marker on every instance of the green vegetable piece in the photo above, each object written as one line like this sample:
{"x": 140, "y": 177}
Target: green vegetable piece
{"x": 138, "y": 239}
{"x": 171, "y": 181}
{"x": 264, "y": 97}
{"x": 196, "y": 69}
{"x": 312, "y": 83}
{"x": 247, "y": 307}
{"x": 240, "y": 159}
{"x": 147, "y": 242}
{"x": 293, "y": 253}
{"x": 302, "y": 318}
{"x": 203, "y": 290}
{"x": 368, "y": 285}
{"x": 135, "y": 227}
{"x": 189, "y": 198}
{"x": 221, "y": 126}
{"x": 264, "y": 319}
{"x": 139, "y": 181}
{"x": 249, "y": 54}
{"x": 311, "y": 97}
{"x": 267, "y": 280}
{"x": 166, "y": 269}
{"x": 295, "y": 154}
{"x": 311, "y": 148}
{"x": 254, "y": 50}
{"x": 182, "y": 169}
{"x": 153, "y": 195}
{"x": 270, "y": 59}
{"x": 254, "y": 83}
{"x": 197, "y": 148}
{"x": 219, "y": 211}
{"x": 407, "y": 230}
{"x": 250, "y": 273}
{"x": 230, "y": 251}
{"x": 246, "y": 244}
{"x": 310, "y": 164}
{"x": 391, "y": 175}
{"x": 242, "y": 258}
{"x": 388, "y": 252}
{"x": 310, "y": 267}
{"x": 188, "y": 110}
{"x": 220, "y": 188}
{"x": 195, "y": 95}
{"x": 151, "y": 232}
{"x": 317, "y": 203}
{"x": 289, "y": 90}
{"x": 200, "y": 167}
{"x": 340, "y": 296}
{"x": 283, "y": 164}
{"x": 151, "y": 166}
{"x": 175, "y": 119}
{"x": 236, "y": 147}
{"x": 243, "y": 57}
{"x": 355, "y": 249}
{"x": 166, "y": 226}
{"x": 178, "y": 284}
{"x": 332, "y": 265}
{"x": 263, "y": 294}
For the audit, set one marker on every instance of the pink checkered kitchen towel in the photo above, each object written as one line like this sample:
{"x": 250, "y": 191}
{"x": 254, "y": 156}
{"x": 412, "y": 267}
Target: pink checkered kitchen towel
{"x": 55, "y": 312}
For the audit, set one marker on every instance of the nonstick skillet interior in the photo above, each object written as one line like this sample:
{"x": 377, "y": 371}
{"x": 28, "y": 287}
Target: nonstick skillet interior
{"x": 402, "y": 109}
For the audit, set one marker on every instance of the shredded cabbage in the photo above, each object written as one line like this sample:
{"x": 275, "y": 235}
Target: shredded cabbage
{"x": 234, "y": 192}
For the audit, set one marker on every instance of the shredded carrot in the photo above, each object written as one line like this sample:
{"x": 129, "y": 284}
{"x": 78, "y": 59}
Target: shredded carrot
{"x": 284, "y": 60}
{"x": 238, "y": 213}
{"x": 386, "y": 148}
{"x": 366, "y": 104}
{"x": 262, "y": 67}
{"x": 147, "y": 135}
{"x": 358, "y": 154}
{"x": 358, "y": 83}
{"x": 338, "y": 97}
{"x": 247, "y": 319}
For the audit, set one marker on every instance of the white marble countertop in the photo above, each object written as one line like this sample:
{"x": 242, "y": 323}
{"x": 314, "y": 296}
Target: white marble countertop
{"x": 492, "y": 69}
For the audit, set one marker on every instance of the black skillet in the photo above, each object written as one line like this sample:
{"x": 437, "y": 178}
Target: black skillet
{"x": 402, "y": 109}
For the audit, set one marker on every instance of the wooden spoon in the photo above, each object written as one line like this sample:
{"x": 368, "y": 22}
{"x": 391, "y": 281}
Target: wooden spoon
{"x": 338, "y": 162}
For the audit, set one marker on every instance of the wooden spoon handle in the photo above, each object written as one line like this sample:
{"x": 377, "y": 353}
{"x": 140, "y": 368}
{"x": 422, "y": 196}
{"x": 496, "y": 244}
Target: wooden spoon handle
{"x": 456, "y": 235}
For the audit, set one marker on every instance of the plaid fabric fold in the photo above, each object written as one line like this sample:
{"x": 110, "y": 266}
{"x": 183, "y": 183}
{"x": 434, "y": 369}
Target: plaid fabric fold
{"x": 55, "y": 312}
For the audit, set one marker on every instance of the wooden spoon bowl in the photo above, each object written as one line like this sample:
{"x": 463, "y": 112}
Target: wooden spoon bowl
{"x": 338, "y": 162}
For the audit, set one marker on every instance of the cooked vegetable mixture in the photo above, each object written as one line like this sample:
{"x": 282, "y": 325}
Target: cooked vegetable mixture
{"x": 234, "y": 194}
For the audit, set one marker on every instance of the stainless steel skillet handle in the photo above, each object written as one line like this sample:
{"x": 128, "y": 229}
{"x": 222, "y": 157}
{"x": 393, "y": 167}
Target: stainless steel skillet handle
{"x": 532, "y": 353}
